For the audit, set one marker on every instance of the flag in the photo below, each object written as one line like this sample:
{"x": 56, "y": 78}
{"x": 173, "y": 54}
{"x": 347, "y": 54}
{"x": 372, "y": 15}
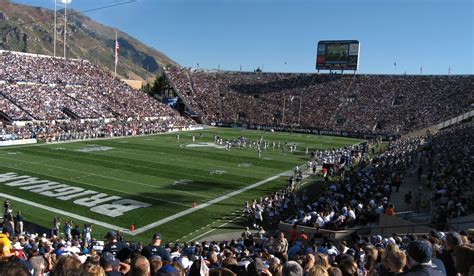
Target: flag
{"x": 117, "y": 48}
{"x": 395, "y": 64}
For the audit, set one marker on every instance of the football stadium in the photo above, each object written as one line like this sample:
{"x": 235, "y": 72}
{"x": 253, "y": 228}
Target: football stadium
{"x": 117, "y": 160}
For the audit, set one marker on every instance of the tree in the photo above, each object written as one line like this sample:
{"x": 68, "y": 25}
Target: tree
{"x": 160, "y": 85}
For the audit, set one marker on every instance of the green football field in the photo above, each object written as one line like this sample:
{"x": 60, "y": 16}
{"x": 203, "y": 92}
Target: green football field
{"x": 182, "y": 189}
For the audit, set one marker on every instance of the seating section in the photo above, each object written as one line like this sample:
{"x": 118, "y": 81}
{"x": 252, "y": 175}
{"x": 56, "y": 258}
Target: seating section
{"x": 387, "y": 104}
{"x": 44, "y": 87}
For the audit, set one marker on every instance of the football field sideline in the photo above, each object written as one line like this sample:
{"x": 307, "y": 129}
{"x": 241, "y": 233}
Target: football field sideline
{"x": 150, "y": 226}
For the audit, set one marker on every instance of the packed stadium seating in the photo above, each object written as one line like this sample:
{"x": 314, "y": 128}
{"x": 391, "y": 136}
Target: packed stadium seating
{"x": 46, "y": 91}
{"x": 46, "y": 88}
{"x": 362, "y": 103}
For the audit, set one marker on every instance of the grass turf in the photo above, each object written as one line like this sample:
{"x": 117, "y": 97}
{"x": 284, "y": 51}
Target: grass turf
{"x": 145, "y": 168}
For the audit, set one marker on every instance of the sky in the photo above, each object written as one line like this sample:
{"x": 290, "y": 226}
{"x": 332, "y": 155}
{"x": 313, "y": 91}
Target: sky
{"x": 436, "y": 35}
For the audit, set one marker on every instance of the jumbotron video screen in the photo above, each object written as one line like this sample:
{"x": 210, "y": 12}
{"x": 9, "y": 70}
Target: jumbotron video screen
{"x": 338, "y": 55}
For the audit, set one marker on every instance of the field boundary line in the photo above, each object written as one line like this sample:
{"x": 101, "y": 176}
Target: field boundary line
{"x": 207, "y": 204}
{"x": 65, "y": 213}
{"x": 214, "y": 229}
{"x": 304, "y": 182}
{"x": 92, "y": 139}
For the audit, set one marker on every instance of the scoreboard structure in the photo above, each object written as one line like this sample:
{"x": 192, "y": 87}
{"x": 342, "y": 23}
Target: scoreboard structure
{"x": 338, "y": 55}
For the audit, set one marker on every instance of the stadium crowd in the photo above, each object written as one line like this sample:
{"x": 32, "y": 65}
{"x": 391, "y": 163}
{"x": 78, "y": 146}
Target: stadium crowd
{"x": 449, "y": 173}
{"x": 47, "y": 88}
{"x": 60, "y": 131}
{"x": 74, "y": 252}
{"x": 360, "y": 103}
{"x": 366, "y": 183}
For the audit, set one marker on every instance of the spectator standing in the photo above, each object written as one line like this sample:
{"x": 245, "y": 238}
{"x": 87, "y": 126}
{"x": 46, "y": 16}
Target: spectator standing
{"x": 155, "y": 249}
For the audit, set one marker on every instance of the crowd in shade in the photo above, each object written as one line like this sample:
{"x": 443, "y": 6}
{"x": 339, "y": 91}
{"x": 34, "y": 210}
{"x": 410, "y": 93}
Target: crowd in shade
{"x": 385, "y": 104}
{"x": 61, "y": 131}
{"x": 450, "y": 175}
{"x": 75, "y": 253}
{"x": 47, "y": 88}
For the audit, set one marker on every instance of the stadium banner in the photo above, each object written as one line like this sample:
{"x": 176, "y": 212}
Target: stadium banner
{"x": 338, "y": 55}
{"x": 17, "y": 142}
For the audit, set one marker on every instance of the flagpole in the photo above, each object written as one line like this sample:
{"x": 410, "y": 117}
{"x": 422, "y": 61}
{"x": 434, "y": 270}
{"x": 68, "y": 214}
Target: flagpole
{"x": 65, "y": 27}
{"x": 55, "y": 25}
{"x": 116, "y": 40}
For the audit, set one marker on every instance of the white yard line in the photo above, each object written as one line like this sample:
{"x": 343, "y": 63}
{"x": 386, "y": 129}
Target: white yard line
{"x": 65, "y": 213}
{"x": 157, "y": 223}
{"x": 306, "y": 174}
{"x": 212, "y": 230}
{"x": 207, "y": 204}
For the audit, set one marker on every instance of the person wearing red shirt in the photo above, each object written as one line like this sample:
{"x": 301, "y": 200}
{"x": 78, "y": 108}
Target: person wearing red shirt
{"x": 390, "y": 211}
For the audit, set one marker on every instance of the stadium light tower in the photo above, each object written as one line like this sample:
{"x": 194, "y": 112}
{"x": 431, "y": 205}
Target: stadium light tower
{"x": 60, "y": 3}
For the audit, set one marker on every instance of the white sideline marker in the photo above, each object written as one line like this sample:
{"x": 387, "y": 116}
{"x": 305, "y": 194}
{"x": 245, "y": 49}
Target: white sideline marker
{"x": 207, "y": 204}
{"x": 156, "y": 223}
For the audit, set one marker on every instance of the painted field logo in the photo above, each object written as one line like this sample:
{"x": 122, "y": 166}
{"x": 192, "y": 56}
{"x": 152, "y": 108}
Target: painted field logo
{"x": 112, "y": 206}
{"x": 93, "y": 148}
{"x": 217, "y": 172}
{"x": 204, "y": 145}
{"x": 182, "y": 182}
{"x": 245, "y": 165}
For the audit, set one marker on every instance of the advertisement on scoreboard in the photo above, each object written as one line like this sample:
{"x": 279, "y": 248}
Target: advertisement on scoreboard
{"x": 338, "y": 55}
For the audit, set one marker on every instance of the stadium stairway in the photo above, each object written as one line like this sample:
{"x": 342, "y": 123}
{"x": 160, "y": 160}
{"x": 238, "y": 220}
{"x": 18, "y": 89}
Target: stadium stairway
{"x": 5, "y": 118}
{"x": 70, "y": 114}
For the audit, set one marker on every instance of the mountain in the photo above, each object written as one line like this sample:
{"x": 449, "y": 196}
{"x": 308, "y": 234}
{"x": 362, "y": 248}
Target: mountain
{"x": 29, "y": 29}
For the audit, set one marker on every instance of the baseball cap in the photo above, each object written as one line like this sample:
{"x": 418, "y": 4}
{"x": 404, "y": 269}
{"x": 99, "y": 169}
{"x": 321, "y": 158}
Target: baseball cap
{"x": 108, "y": 258}
{"x": 157, "y": 236}
{"x": 420, "y": 251}
{"x": 155, "y": 257}
{"x": 184, "y": 262}
{"x": 254, "y": 267}
{"x": 111, "y": 234}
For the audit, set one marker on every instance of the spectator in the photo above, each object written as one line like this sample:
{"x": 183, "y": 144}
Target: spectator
{"x": 396, "y": 262}
{"x": 390, "y": 210}
{"x": 5, "y": 245}
{"x": 464, "y": 259}
{"x": 140, "y": 266}
{"x": 452, "y": 240}
{"x": 419, "y": 255}
{"x": 292, "y": 268}
{"x": 156, "y": 250}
